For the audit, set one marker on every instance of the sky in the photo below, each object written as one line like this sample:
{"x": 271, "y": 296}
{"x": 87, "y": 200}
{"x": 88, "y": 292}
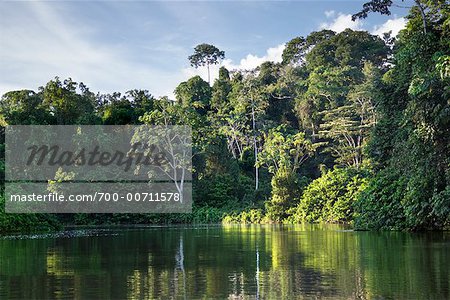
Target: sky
{"x": 115, "y": 46}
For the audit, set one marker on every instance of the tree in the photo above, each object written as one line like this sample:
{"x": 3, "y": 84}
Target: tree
{"x": 348, "y": 48}
{"x": 349, "y": 125}
{"x": 194, "y": 93}
{"x": 410, "y": 143}
{"x": 220, "y": 92}
{"x": 117, "y": 110}
{"x": 294, "y": 52}
{"x": 25, "y": 107}
{"x": 254, "y": 103}
{"x": 283, "y": 153}
{"x": 331, "y": 197}
{"x": 206, "y": 55}
{"x": 142, "y": 102}
{"x": 336, "y": 70}
{"x": 67, "y": 104}
{"x": 173, "y": 141}
{"x": 284, "y": 149}
{"x": 425, "y": 7}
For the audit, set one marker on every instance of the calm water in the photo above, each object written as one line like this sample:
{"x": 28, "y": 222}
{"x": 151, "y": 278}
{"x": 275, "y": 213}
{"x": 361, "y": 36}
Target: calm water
{"x": 254, "y": 262}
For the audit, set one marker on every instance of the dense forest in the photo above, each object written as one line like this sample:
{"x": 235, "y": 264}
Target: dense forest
{"x": 348, "y": 128}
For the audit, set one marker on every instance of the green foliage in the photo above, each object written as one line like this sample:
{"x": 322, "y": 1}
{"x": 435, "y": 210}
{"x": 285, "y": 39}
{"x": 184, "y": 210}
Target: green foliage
{"x": 286, "y": 192}
{"x": 348, "y": 48}
{"x": 206, "y": 55}
{"x": 338, "y": 101}
{"x": 285, "y": 150}
{"x": 66, "y": 104}
{"x": 216, "y": 191}
{"x": 121, "y": 110}
{"x": 330, "y": 198}
{"x": 195, "y": 93}
{"x": 429, "y": 10}
{"x": 379, "y": 206}
{"x": 206, "y": 214}
{"x": 406, "y": 199}
{"x": 26, "y": 222}
{"x": 25, "y": 107}
{"x": 295, "y": 50}
{"x": 349, "y": 125}
{"x": 251, "y": 216}
{"x": 440, "y": 204}
{"x": 411, "y": 139}
{"x": 221, "y": 90}
{"x": 117, "y": 112}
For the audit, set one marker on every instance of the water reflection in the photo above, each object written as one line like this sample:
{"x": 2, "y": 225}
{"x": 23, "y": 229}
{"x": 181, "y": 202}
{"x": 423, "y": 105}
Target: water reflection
{"x": 254, "y": 262}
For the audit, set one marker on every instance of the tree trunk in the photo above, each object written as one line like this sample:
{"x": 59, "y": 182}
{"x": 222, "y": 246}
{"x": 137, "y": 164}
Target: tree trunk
{"x": 422, "y": 13}
{"x": 255, "y": 147}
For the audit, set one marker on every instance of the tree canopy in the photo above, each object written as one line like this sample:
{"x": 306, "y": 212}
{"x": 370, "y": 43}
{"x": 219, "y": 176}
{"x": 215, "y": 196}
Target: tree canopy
{"x": 206, "y": 55}
{"x": 349, "y": 127}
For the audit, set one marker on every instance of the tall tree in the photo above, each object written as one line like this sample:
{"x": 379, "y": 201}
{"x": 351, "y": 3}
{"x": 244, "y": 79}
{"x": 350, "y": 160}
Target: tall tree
{"x": 206, "y": 55}
{"x": 220, "y": 92}
{"x": 283, "y": 153}
{"x": 294, "y": 52}
{"x": 67, "y": 104}
{"x": 194, "y": 93}
{"x": 254, "y": 103}
{"x": 426, "y": 8}
{"x": 349, "y": 125}
{"x": 116, "y": 110}
{"x": 25, "y": 107}
{"x": 410, "y": 143}
{"x": 285, "y": 149}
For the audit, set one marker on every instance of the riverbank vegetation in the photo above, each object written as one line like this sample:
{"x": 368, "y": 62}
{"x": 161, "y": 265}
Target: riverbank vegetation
{"x": 349, "y": 127}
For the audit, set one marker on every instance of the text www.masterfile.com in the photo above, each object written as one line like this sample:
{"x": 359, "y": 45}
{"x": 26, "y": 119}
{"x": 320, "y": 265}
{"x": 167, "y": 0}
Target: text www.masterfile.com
{"x": 97, "y": 197}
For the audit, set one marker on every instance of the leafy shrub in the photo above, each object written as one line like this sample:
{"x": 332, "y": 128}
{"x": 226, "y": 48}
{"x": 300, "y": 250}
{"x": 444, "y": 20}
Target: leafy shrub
{"x": 251, "y": 216}
{"x": 441, "y": 207}
{"x": 379, "y": 205}
{"x": 399, "y": 201}
{"x": 26, "y": 222}
{"x": 330, "y": 197}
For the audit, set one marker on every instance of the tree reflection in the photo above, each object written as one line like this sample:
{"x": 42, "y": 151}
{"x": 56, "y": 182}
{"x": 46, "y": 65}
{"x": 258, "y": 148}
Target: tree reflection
{"x": 262, "y": 262}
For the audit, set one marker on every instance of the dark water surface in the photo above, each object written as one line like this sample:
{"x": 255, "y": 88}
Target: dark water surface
{"x": 235, "y": 262}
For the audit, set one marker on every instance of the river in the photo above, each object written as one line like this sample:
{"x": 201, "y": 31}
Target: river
{"x": 234, "y": 262}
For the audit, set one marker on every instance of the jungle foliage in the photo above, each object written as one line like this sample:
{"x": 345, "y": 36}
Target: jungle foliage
{"x": 349, "y": 127}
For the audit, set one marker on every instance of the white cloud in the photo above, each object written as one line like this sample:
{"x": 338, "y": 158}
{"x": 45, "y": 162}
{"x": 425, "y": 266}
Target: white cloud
{"x": 49, "y": 46}
{"x": 250, "y": 62}
{"x": 394, "y": 25}
{"x": 341, "y": 22}
{"x": 330, "y": 13}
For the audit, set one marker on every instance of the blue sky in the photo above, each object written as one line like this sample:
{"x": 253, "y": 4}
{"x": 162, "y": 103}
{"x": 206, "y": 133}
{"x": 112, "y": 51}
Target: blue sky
{"x": 121, "y": 45}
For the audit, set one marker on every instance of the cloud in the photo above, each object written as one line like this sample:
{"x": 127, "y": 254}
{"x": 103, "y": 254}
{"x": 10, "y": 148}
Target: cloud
{"x": 250, "y": 62}
{"x": 340, "y": 22}
{"x": 330, "y": 13}
{"x": 394, "y": 25}
{"x": 46, "y": 45}
{"x": 41, "y": 40}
